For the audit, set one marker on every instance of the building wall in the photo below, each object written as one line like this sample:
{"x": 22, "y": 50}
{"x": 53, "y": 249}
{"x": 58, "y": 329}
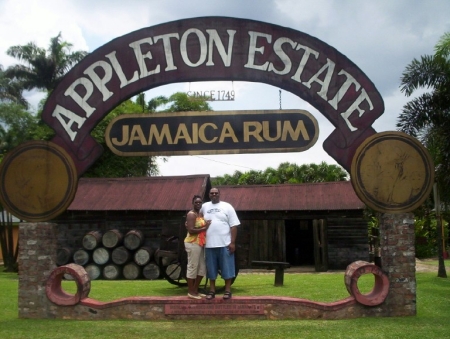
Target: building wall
{"x": 348, "y": 241}
{"x": 261, "y": 236}
{"x": 71, "y": 230}
{"x": 158, "y": 229}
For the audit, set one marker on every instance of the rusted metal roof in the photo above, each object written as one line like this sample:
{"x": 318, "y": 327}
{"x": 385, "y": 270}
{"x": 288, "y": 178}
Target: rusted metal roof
{"x": 299, "y": 197}
{"x": 146, "y": 193}
{"x": 175, "y": 194}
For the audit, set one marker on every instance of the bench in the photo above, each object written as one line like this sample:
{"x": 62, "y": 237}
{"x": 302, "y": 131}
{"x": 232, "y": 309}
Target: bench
{"x": 278, "y": 266}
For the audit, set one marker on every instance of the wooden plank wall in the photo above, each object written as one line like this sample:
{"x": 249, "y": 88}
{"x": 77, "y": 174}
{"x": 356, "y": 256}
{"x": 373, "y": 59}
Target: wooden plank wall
{"x": 348, "y": 241}
{"x": 267, "y": 240}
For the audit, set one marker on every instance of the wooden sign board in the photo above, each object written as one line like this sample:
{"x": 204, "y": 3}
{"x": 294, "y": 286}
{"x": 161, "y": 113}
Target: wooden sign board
{"x": 222, "y": 132}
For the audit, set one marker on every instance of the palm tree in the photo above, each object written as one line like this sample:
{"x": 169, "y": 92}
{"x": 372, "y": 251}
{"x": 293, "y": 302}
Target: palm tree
{"x": 43, "y": 69}
{"x": 154, "y": 103}
{"x": 428, "y": 115}
{"x": 10, "y": 90}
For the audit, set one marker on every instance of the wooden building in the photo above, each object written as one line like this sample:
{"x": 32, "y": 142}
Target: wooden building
{"x": 304, "y": 224}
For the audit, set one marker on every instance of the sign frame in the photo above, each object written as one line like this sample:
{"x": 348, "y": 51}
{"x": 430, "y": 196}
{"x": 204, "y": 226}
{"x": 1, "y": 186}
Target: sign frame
{"x": 234, "y": 133}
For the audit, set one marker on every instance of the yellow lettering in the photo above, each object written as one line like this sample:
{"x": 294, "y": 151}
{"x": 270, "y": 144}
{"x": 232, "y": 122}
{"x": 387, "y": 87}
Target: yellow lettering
{"x": 201, "y": 133}
{"x": 182, "y": 133}
{"x": 266, "y": 131}
{"x": 137, "y": 135}
{"x": 300, "y": 129}
{"x": 227, "y": 132}
{"x": 165, "y": 133}
{"x": 125, "y": 136}
{"x": 255, "y": 132}
{"x": 195, "y": 133}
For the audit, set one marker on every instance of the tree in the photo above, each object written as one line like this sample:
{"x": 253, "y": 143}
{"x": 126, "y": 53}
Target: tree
{"x": 181, "y": 102}
{"x": 110, "y": 165}
{"x": 16, "y": 125}
{"x": 10, "y": 91}
{"x": 43, "y": 69}
{"x": 286, "y": 173}
{"x": 154, "y": 103}
{"x": 427, "y": 116}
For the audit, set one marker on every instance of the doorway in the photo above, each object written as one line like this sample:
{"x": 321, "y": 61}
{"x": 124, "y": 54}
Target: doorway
{"x": 299, "y": 242}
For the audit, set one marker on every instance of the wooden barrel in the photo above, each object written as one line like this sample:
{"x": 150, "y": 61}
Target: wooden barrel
{"x": 111, "y": 272}
{"x": 63, "y": 256}
{"x": 151, "y": 271}
{"x": 131, "y": 271}
{"x": 121, "y": 255}
{"x": 162, "y": 258}
{"x": 94, "y": 271}
{"x": 133, "y": 239}
{"x": 81, "y": 257}
{"x": 143, "y": 256}
{"x": 92, "y": 240}
{"x": 112, "y": 238}
{"x": 101, "y": 255}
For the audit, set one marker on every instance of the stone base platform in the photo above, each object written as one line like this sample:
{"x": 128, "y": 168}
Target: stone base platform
{"x": 80, "y": 306}
{"x": 159, "y": 308}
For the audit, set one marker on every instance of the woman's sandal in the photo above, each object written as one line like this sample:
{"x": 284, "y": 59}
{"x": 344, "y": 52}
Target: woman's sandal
{"x": 210, "y": 295}
{"x": 227, "y": 295}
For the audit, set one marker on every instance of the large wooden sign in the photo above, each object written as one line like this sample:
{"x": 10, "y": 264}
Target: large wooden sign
{"x": 212, "y": 133}
{"x": 207, "y": 49}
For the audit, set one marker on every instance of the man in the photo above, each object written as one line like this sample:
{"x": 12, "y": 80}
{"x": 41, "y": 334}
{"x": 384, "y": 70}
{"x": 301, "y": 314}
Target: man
{"x": 220, "y": 242}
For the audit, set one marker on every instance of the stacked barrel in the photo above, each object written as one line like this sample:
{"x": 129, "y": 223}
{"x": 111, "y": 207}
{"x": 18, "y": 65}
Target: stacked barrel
{"x": 112, "y": 256}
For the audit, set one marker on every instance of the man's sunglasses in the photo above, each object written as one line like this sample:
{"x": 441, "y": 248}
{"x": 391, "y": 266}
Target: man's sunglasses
{"x": 214, "y": 193}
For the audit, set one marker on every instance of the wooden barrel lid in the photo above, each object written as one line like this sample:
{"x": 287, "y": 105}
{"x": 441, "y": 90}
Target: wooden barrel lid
{"x": 392, "y": 172}
{"x": 38, "y": 181}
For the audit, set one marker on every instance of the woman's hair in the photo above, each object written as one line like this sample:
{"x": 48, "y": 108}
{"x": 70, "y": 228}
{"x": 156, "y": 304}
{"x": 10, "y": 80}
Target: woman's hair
{"x": 196, "y": 197}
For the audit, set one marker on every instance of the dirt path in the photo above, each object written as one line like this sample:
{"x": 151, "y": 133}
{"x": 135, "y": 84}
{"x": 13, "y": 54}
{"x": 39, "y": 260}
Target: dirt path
{"x": 422, "y": 266}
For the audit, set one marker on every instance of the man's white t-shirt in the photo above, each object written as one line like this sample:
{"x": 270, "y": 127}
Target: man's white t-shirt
{"x": 223, "y": 217}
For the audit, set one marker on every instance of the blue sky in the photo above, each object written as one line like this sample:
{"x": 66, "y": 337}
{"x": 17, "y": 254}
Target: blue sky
{"x": 380, "y": 37}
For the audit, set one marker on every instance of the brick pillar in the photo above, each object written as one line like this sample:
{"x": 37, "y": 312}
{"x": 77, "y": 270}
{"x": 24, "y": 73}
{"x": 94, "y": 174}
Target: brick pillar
{"x": 37, "y": 258}
{"x": 398, "y": 262}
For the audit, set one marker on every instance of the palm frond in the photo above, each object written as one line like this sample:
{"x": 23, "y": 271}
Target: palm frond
{"x": 428, "y": 72}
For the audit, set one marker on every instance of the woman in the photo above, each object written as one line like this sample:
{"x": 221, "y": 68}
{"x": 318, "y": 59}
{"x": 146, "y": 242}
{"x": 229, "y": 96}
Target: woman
{"x": 194, "y": 244}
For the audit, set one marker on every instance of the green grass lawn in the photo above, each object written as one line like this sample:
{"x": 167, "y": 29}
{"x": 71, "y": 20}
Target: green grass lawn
{"x": 432, "y": 320}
